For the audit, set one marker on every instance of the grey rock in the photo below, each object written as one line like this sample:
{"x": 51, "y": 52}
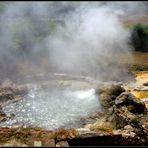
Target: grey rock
{"x": 108, "y": 93}
{"x": 110, "y": 89}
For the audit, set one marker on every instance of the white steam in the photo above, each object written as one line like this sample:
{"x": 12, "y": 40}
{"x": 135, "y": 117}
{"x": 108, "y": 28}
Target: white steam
{"x": 71, "y": 37}
{"x": 89, "y": 42}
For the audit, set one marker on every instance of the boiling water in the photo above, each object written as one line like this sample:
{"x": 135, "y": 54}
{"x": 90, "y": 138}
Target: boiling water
{"x": 53, "y": 108}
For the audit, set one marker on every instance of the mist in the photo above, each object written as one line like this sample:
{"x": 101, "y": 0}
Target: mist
{"x": 89, "y": 43}
{"x": 64, "y": 37}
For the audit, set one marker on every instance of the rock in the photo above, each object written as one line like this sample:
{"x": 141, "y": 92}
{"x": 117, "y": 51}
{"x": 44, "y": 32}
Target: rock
{"x": 117, "y": 132}
{"x": 1, "y": 111}
{"x": 8, "y": 90}
{"x": 62, "y": 144}
{"x": 145, "y": 84}
{"x": 128, "y": 134}
{"x": 106, "y": 100}
{"x": 90, "y": 118}
{"x": 10, "y": 115}
{"x": 144, "y": 100}
{"x": 3, "y": 116}
{"x": 37, "y": 143}
{"x": 6, "y": 95}
{"x": 83, "y": 130}
{"x": 110, "y": 111}
{"x": 108, "y": 93}
{"x": 20, "y": 90}
{"x": 24, "y": 145}
{"x": 116, "y": 138}
{"x": 63, "y": 134}
{"x": 133, "y": 104}
{"x": 7, "y": 83}
{"x": 121, "y": 99}
{"x": 122, "y": 117}
{"x": 110, "y": 89}
{"x": 102, "y": 125}
{"x": 8, "y": 145}
{"x": 146, "y": 141}
{"x": 49, "y": 143}
{"x": 10, "y": 94}
{"x": 130, "y": 123}
{"x": 14, "y": 143}
{"x": 129, "y": 128}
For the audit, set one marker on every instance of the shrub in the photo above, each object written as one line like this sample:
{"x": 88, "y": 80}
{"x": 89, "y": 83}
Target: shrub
{"x": 139, "y": 37}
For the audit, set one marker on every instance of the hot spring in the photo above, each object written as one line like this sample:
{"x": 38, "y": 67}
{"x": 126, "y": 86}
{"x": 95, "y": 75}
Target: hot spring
{"x": 52, "y": 108}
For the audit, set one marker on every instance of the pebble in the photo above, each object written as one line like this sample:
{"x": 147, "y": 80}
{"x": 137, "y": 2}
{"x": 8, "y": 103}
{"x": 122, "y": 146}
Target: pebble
{"x": 24, "y": 145}
{"x": 49, "y": 143}
{"x": 62, "y": 144}
{"x": 37, "y": 143}
{"x": 8, "y": 145}
{"x": 116, "y": 132}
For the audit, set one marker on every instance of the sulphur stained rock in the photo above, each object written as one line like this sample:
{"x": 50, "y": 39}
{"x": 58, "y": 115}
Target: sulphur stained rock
{"x": 133, "y": 104}
{"x": 101, "y": 124}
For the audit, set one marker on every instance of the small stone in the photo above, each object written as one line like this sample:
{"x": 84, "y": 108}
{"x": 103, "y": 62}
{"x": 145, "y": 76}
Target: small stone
{"x": 8, "y": 145}
{"x": 132, "y": 134}
{"x": 128, "y": 127}
{"x": 24, "y": 145}
{"x": 62, "y": 144}
{"x": 37, "y": 143}
{"x": 145, "y": 84}
{"x": 125, "y": 134}
{"x": 83, "y": 129}
{"x": 110, "y": 110}
{"x": 49, "y": 143}
{"x": 116, "y": 132}
{"x": 143, "y": 126}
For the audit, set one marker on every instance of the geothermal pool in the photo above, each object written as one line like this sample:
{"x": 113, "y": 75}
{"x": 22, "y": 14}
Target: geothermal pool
{"x": 52, "y": 109}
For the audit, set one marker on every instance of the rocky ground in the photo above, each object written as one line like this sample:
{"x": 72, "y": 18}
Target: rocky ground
{"x": 123, "y": 122}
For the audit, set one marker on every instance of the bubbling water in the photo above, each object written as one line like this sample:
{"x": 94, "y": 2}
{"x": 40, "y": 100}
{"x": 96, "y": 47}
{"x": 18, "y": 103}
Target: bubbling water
{"x": 53, "y": 109}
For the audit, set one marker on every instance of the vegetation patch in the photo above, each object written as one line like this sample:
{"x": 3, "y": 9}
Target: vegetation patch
{"x": 139, "y": 37}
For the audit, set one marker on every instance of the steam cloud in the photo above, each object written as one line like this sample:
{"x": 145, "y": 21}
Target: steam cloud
{"x": 89, "y": 44}
{"x": 70, "y": 37}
